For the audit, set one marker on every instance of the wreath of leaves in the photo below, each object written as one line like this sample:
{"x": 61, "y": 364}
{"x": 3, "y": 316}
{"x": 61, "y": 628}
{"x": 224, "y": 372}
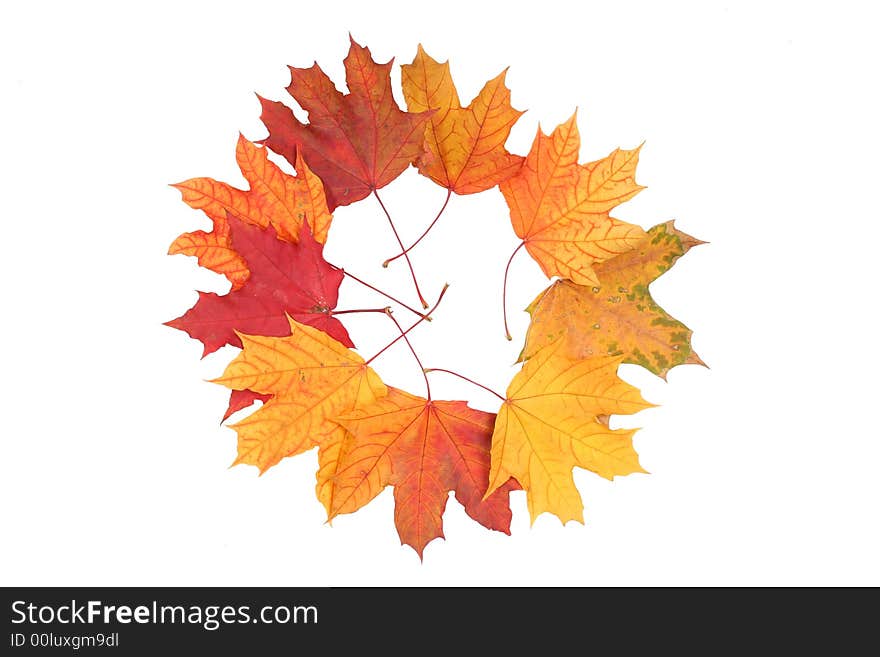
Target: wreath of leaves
{"x": 297, "y": 357}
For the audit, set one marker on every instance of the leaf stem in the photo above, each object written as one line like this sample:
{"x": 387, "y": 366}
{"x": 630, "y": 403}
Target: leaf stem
{"x": 415, "y": 355}
{"x": 405, "y": 255}
{"x": 386, "y": 310}
{"x": 504, "y": 290}
{"x": 403, "y": 334}
{"x": 384, "y": 294}
{"x": 427, "y": 230}
{"x": 461, "y": 376}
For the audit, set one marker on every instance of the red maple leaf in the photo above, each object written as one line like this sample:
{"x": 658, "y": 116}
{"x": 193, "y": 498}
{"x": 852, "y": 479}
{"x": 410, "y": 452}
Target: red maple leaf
{"x": 285, "y": 279}
{"x": 355, "y": 142}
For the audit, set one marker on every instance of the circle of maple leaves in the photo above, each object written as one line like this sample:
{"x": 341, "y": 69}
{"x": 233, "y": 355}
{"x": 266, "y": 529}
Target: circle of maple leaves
{"x": 297, "y": 357}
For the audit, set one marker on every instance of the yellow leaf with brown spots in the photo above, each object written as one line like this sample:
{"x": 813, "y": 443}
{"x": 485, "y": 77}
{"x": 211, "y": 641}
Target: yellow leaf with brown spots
{"x": 617, "y": 317}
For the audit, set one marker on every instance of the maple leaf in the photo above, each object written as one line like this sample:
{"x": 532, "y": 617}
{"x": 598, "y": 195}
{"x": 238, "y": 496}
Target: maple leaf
{"x": 425, "y": 449}
{"x": 551, "y": 421}
{"x": 618, "y": 317}
{"x": 560, "y": 209}
{"x": 274, "y": 198}
{"x": 286, "y": 278}
{"x": 357, "y": 142}
{"x": 466, "y": 144}
{"x": 312, "y": 379}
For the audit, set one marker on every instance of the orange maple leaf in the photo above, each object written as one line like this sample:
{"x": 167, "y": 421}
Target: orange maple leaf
{"x": 619, "y": 316}
{"x": 560, "y": 209}
{"x": 274, "y": 198}
{"x": 466, "y": 144}
{"x": 357, "y": 142}
{"x": 312, "y": 378}
{"x": 552, "y": 420}
{"x": 425, "y": 449}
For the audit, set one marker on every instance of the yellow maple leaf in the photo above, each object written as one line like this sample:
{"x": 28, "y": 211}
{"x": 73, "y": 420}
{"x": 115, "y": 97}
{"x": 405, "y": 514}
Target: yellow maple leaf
{"x": 560, "y": 209}
{"x": 466, "y": 144}
{"x": 552, "y": 421}
{"x": 312, "y": 377}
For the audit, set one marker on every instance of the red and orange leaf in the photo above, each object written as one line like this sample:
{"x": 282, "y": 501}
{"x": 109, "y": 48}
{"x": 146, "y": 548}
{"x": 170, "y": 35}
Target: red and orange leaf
{"x": 274, "y": 198}
{"x": 554, "y": 419}
{"x": 425, "y": 449}
{"x": 560, "y": 209}
{"x": 466, "y": 144}
{"x": 357, "y": 142}
{"x": 242, "y": 399}
{"x": 311, "y": 377}
{"x": 286, "y": 278}
{"x": 619, "y": 316}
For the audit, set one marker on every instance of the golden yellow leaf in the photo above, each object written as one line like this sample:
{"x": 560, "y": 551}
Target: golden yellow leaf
{"x": 560, "y": 209}
{"x": 312, "y": 377}
{"x": 551, "y": 421}
{"x": 466, "y": 144}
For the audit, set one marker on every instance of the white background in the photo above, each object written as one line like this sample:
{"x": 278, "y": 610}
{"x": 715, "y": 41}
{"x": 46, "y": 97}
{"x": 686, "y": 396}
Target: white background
{"x": 760, "y": 123}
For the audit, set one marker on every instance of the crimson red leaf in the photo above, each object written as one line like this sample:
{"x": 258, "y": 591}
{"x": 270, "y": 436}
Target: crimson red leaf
{"x": 286, "y": 279}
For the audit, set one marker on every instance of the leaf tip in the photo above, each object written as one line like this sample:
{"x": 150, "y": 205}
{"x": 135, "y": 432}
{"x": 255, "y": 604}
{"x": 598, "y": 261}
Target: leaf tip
{"x": 648, "y": 405}
{"x": 331, "y": 514}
